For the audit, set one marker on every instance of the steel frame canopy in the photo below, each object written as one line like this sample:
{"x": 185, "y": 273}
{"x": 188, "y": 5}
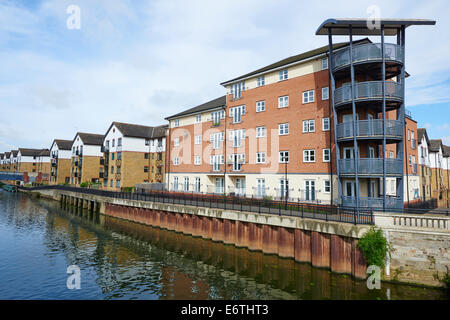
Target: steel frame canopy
{"x": 367, "y": 26}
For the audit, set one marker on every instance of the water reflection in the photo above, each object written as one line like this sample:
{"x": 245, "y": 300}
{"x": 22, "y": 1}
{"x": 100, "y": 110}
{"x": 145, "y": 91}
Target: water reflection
{"x": 123, "y": 260}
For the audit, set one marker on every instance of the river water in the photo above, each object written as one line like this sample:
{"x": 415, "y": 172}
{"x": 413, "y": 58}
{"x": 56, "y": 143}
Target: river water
{"x": 124, "y": 260}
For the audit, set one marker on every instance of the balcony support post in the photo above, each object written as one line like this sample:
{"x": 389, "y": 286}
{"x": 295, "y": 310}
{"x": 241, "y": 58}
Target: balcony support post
{"x": 383, "y": 76}
{"x": 335, "y": 118}
{"x": 401, "y": 148}
{"x": 355, "y": 142}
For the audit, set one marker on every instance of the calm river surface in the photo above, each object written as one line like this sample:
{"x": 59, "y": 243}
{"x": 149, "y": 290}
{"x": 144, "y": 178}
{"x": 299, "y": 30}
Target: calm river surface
{"x": 123, "y": 260}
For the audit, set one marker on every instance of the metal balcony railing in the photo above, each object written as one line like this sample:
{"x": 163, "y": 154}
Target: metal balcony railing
{"x": 372, "y": 202}
{"x": 370, "y": 90}
{"x": 369, "y": 166}
{"x": 369, "y": 129}
{"x": 370, "y": 52}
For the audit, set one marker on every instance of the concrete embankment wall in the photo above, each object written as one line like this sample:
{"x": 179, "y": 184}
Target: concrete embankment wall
{"x": 324, "y": 244}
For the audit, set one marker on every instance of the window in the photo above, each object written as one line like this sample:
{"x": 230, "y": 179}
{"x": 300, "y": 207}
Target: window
{"x": 186, "y": 184}
{"x": 236, "y": 113}
{"x": 111, "y": 183}
{"x": 236, "y": 136}
{"x": 176, "y": 161}
{"x": 119, "y": 155}
{"x": 324, "y": 63}
{"x": 283, "y": 102}
{"x": 113, "y": 142}
{"x": 118, "y": 169}
{"x": 326, "y": 155}
{"x": 283, "y": 74}
{"x": 238, "y": 160}
{"x": 309, "y": 126}
{"x": 176, "y": 123}
{"x": 216, "y": 139}
{"x": 175, "y": 183}
{"x": 216, "y": 161}
{"x": 391, "y": 154}
{"x": 237, "y": 89}
{"x": 198, "y": 139}
{"x": 147, "y": 142}
{"x": 326, "y": 124}
{"x": 260, "y": 157}
{"x": 145, "y": 168}
{"x": 308, "y": 96}
{"x": 261, "y": 187}
{"x": 198, "y": 118}
{"x": 325, "y": 93}
{"x": 197, "y": 184}
{"x": 327, "y": 186}
{"x": 283, "y": 129}
{"x": 119, "y": 142}
{"x": 260, "y": 81}
{"x": 260, "y": 106}
{"x": 216, "y": 116}
{"x": 176, "y": 142}
{"x": 309, "y": 155}
{"x": 283, "y": 157}
{"x": 260, "y": 132}
{"x": 410, "y": 160}
{"x": 284, "y": 188}
{"x": 112, "y": 169}
{"x": 197, "y": 160}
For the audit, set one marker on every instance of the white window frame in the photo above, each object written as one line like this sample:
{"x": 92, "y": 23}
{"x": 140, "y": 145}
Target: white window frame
{"x": 198, "y": 139}
{"x": 324, "y": 152}
{"x": 281, "y": 155}
{"x": 260, "y": 132}
{"x": 326, "y": 185}
{"x": 236, "y": 136}
{"x": 260, "y": 157}
{"x": 261, "y": 106}
{"x": 324, "y": 63}
{"x": 327, "y": 121}
{"x": 309, "y": 126}
{"x": 186, "y": 184}
{"x": 216, "y": 139}
{"x": 197, "y": 184}
{"x": 283, "y": 129}
{"x": 283, "y": 75}
{"x": 175, "y": 183}
{"x": 307, "y": 154}
{"x": 308, "y": 97}
{"x": 325, "y": 93}
{"x": 198, "y": 118}
{"x": 236, "y": 113}
{"x": 261, "y": 81}
{"x": 283, "y": 102}
{"x": 176, "y": 123}
{"x": 176, "y": 161}
{"x": 176, "y": 142}
{"x": 197, "y": 160}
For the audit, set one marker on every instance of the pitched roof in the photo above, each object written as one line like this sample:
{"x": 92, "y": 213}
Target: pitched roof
{"x": 63, "y": 144}
{"x": 2, "y": 155}
{"x": 296, "y": 58}
{"x": 14, "y": 153}
{"x": 213, "y": 104}
{"x": 435, "y": 144}
{"x": 27, "y": 152}
{"x": 44, "y": 153}
{"x": 420, "y": 133}
{"x": 446, "y": 150}
{"x": 7, "y": 155}
{"x": 139, "y": 131}
{"x": 90, "y": 138}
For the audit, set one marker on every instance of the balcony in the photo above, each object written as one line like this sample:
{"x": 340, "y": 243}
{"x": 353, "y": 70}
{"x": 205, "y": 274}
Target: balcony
{"x": 370, "y": 53}
{"x": 372, "y": 202}
{"x": 370, "y": 129}
{"x": 370, "y": 166}
{"x": 370, "y": 91}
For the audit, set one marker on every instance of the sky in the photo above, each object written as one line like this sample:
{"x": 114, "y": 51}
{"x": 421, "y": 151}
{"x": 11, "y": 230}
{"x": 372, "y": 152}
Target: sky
{"x": 141, "y": 61}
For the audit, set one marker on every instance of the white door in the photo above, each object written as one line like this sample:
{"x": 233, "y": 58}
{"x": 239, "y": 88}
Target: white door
{"x": 240, "y": 186}
{"x": 310, "y": 190}
{"x": 261, "y": 191}
{"x": 220, "y": 185}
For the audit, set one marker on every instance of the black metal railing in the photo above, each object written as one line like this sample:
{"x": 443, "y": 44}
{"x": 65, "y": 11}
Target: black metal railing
{"x": 227, "y": 202}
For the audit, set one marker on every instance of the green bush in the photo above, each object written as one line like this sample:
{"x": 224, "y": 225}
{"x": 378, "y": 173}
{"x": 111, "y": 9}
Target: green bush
{"x": 374, "y": 247}
{"x": 127, "y": 189}
{"x": 84, "y": 184}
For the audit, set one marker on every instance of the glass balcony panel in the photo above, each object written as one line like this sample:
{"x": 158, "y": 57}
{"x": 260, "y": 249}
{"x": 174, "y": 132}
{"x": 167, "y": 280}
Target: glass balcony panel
{"x": 368, "y": 53}
{"x": 368, "y": 166}
{"x": 368, "y": 90}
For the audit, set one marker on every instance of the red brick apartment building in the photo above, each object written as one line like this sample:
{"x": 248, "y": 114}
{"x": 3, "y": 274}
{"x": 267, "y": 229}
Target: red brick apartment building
{"x": 274, "y": 134}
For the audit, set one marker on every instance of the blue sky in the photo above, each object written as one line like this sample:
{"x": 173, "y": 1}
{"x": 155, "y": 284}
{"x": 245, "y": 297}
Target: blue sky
{"x": 140, "y": 61}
